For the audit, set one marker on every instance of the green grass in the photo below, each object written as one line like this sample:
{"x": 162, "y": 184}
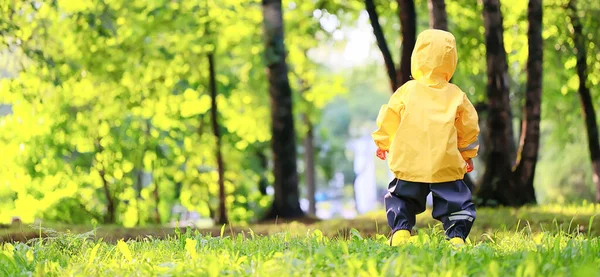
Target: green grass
{"x": 516, "y": 254}
{"x": 534, "y": 241}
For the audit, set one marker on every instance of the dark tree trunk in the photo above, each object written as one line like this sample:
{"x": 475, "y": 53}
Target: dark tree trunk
{"x": 286, "y": 201}
{"x": 408, "y": 24}
{"x": 530, "y": 128}
{"x": 501, "y": 185}
{"x": 382, "y": 44}
{"x": 214, "y": 111}
{"x": 139, "y": 173}
{"x": 138, "y": 191}
{"x": 587, "y": 104}
{"x": 262, "y": 182}
{"x": 438, "y": 18}
{"x": 309, "y": 164}
{"x": 138, "y": 183}
{"x": 496, "y": 187}
{"x": 110, "y": 216}
{"x": 156, "y": 191}
{"x": 156, "y": 202}
{"x": 178, "y": 186}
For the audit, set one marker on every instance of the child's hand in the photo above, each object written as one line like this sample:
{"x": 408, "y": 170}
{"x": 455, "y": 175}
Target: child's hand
{"x": 470, "y": 166}
{"x": 381, "y": 154}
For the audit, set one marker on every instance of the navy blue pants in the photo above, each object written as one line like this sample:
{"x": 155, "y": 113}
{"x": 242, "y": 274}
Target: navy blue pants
{"x": 452, "y": 205}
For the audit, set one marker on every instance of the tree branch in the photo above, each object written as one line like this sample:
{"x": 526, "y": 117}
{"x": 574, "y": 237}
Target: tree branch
{"x": 408, "y": 24}
{"x": 382, "y": 44}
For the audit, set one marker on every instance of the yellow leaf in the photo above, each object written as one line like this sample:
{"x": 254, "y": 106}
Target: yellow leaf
{"x": 190, "y": 94}
{"x": 122, "y": 246}
{"x": 242, "y": 259}
{"x": 564, "y": 90}
{"x": 29, "y": 255}
{"x": 118, "y": 174}
{"x": 190, "y": 248}
{"x": 573, "y": 82}
{"x": 104, "y": 129}
{"x": 571, "y": 63}
{"x": 195, "y": 107}
{"x": 93, "y": 254}
{"x": 127, "y": 166}
{"x": 223, "y": 79}
{"x": 538, "y": 238}
{"x": 9, "y": 250}
{"x": 494, "y": 269}
{"x": 179, "y": 176}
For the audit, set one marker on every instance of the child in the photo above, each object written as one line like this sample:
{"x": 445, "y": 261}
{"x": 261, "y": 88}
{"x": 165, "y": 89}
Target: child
{"x": 430, "y": 128}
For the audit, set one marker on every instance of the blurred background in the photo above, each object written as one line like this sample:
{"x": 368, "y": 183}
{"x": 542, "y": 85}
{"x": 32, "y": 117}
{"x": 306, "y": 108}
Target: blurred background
{"x": 146, "y": 112}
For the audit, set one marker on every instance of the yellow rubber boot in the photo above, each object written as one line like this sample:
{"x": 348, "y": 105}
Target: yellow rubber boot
{"x": 457, "y": 242}
{"x": 400, "y": 237}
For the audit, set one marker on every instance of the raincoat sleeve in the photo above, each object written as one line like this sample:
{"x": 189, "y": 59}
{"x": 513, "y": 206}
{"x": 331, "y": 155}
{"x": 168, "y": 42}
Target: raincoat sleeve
{"x": 467, "y": 127}
{"x": 388, "y": 122}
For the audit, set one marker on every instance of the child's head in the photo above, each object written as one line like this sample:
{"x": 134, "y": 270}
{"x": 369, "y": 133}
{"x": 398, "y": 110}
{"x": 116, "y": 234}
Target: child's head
{"x": 434, "y": 57}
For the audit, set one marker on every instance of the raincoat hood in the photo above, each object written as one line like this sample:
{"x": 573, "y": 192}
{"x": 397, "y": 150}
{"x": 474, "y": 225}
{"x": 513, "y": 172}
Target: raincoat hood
{"x": 434, "y": 57}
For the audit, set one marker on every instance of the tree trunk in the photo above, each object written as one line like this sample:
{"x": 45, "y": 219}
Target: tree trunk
{"x": 587, "y": 104}
{"x": 262, "y": 182}
{"x": 530, "y": 128}
{"x": 596, "y": 176}
{"x": 156, "y": 194}
{"x": 138, "y": 183}
{"x": 501, "y": 185}
{"x": 309, "y": 165}
{"x": 382, "y": 44}
{"x": 109, "y": 217}
{"x": 438, "y": 18}
{"x": 156, "y": 191}
{"x": 408, "y": 24}
{"x": 222, "y": 212}
{"x": 286, "y": 201}
{"x": 496, "y": 187}
{"x": 138, "y": 194}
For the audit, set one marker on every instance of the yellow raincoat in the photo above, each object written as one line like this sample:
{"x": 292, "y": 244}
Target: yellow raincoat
{"x": 429, "y": 126}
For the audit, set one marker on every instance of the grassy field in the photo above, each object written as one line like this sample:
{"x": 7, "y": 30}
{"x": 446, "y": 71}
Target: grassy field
{"x": 535, "y": 241}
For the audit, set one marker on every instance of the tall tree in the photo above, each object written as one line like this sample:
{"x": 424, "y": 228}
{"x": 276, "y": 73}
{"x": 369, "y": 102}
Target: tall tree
{"x": 500, "y": 184}
{"x": 438, "y": 18}
{"x": 527, "y": 154}
{"x": 408, "y": 23}
{"x": 309, "y": 149}
{"x": 214, "y": 113}
{"x": 309, "y": 166}
{"x": 286, "y": 202}
{"x": 587, "y": 104}
{"x": 111, "y": 209}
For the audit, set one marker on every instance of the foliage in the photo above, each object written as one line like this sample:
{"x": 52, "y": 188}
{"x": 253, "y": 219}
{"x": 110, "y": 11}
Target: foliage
{"x": 113, "y": 94}
{"x": 110, "y": 103}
